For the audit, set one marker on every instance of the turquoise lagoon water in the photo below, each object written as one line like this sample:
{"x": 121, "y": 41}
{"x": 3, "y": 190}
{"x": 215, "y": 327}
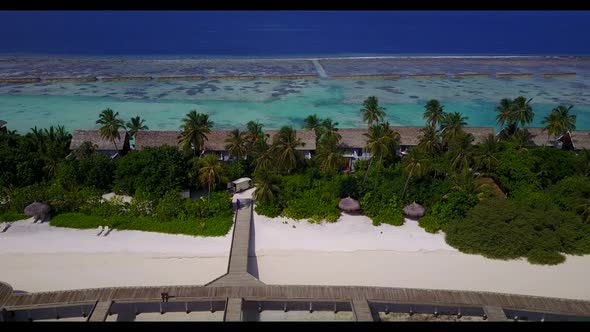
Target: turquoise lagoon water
{"x": 232, "y": 103}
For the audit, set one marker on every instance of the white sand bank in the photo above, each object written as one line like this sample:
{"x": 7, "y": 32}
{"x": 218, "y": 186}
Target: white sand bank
{"x": 39, "y": 257}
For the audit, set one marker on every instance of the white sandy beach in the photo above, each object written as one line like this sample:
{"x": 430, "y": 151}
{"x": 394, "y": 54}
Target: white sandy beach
{"x": 351, "y": 251}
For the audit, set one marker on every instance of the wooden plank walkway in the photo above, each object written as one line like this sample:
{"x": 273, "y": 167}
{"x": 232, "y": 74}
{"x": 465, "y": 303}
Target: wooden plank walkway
{"x": 233, "y": 311}
{"x": 495, "y": 314}
{"x": 237, "y": 271}
{"x": 314, "y": 293}
{"x": 5, "y": 293}
{"x": 361, "y": 310}
{"x": 101, "y": 309}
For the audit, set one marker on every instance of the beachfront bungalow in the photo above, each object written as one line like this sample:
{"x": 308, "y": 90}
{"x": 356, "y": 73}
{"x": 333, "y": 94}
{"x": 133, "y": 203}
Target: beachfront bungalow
{"x": 353, "y": 144}
{"x": 575, "y": 140}
{"x": 306, "y": 136}
{"x": 215, "y": 144}
{"x": 101, "y": 145}
{"x": 3, "y": 126}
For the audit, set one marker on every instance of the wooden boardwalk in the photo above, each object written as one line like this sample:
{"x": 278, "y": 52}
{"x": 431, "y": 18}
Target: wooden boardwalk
{"x": 237, "y": 270}
{"x": 312, "y": 293}
{"x": 5, "y": 293}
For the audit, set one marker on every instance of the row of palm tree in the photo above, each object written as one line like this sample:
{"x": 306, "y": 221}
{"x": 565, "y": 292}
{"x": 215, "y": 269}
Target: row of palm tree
{"x": 519, "y": 112}
{"x": 110, "y": 123}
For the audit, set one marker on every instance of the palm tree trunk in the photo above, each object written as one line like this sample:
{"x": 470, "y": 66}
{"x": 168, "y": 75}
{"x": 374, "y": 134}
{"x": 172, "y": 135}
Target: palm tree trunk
{"x": 367, "y": 171}
{"x": 209, "y": 193}
{"x": 116, "y": 149}
{"x": 407, "y": 181}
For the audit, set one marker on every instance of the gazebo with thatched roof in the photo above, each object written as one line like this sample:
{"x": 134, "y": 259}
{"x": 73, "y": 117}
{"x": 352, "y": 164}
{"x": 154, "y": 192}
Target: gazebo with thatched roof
{"x": 414, "y": 211}
{"x": 349, "y": 204}
{"x": 38, "y": 210}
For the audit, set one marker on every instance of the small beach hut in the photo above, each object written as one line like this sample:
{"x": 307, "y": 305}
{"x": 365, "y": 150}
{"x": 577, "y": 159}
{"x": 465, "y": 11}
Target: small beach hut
{"x": 414, "y": 211}
{"x": 38, "y": 210}
{"x": 349, "y": 204}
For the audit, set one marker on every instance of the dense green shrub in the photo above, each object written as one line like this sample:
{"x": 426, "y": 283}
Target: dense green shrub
{"x": 12, "y": 216}
{"x": 453, "y": 206}
{"x": 169, "y": 206}
{"x": 567, "y": 192}
{"x": 212, "y": 226}
{"x": 514, "y": 171}
{"x": 507, "y": 229}
{"x": 20, "y": 165}
{"x": 115, "y": 207}
{"x": 382, "y": 209}
{"x": 551, "y": 165}
{"x": 234, "y": 170}
{"x": 96, "y": 171}
{"x": 21, "y": 197}
{"x": 314, "y": 206}
{"x": 270, "y": 210}
{"x": 154, "y": 170}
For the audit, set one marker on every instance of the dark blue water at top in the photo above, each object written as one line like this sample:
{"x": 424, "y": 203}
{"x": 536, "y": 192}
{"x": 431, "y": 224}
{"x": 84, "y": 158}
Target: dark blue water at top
{"x": 294, "y": 33}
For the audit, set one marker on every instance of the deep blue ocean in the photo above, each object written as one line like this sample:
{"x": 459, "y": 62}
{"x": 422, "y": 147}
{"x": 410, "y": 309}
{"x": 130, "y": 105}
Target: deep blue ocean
{"x": 294, "y": 33}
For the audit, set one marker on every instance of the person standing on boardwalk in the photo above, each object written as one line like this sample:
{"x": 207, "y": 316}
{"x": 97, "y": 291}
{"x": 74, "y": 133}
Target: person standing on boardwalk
{"x": 238, "y": 204}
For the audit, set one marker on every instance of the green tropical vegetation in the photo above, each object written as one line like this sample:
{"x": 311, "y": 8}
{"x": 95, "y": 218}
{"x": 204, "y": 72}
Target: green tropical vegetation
{"x": 500, "y": 196}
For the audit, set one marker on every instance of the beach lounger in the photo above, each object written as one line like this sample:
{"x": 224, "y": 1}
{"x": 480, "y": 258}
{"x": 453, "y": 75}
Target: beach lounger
{"x": 4, "y": 227}
{"x": 106, "y": 230}
{"x": 99, "y": 230}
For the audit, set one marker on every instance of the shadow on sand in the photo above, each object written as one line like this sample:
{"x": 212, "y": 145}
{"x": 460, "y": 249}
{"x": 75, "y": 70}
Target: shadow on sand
{"x": 252, "y": 259}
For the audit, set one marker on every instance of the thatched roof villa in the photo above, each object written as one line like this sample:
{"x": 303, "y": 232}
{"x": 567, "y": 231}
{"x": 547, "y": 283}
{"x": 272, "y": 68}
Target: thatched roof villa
{"x": 3, "y": 126}
{"x": 101, "y": 145}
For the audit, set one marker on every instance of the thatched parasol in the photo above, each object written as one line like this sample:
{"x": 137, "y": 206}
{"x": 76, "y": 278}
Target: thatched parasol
{"x": 414, "y": 211}
{"x": 349, "y": 204}
{"x": 38, "y": 210}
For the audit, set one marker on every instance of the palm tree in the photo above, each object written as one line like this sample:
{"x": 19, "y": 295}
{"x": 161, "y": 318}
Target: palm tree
{"x": 135, "y": 125}
{"x": 371, "y": 111}
{"x": 51, "y": 145}
{"x": 414, "y": 164}
{"x": 330, "y": 158}
{"x": 266, "y": 188}
{"x": 504, "y": 116}
{"x": 559, "y": 121}
{"x": 209, "y": 173}
{"x": 110, "y": 125}
{"x": 487, "y": 153}
{"x": 381, "y": 140}
{"x": 284, "y": 147}
{"x": 236, "y": 144}
{"x": 522, "y": 138}
{"x": 460, "y": 151}
{"x": 522, "y": 111}
{"x": 329, "y": 132}
{"x": 313, "y": 122}
{"x": 254, "y": 131}
{"x": 429, "y": 141}
{"x": 452, "y": 125}
{"x": 434, "y": 113}
{"x": 195, "y": 127}
{"x": 264, "y": 161}
{"x": 328, "y": 154}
